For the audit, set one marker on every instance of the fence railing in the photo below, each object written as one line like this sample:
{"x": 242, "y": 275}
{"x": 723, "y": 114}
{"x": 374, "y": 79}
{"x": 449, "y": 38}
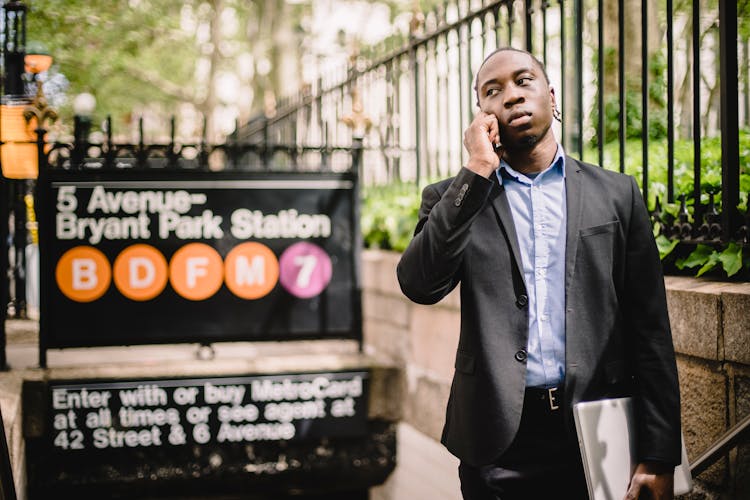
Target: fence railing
{"x": 197, "y": 155}
{"x": 648, "y": 88}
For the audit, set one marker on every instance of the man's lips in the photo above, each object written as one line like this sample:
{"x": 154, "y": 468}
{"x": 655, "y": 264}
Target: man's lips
{"x": 518, "y": 118}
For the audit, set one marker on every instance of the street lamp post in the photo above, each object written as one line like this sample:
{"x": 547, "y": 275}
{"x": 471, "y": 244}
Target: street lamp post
{"x": 14, "y": 47}
{"x": 14, "y": 50}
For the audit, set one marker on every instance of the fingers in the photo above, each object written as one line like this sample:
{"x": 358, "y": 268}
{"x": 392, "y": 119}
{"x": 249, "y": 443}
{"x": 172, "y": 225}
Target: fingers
{"x": 480, "y": 139}
{"x": 483, "y": 132}
{"x": 634, "y": 490}
{"x": 489, "y": 120}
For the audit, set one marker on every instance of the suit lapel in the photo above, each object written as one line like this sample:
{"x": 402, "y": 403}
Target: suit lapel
{"x": 574, "y": 205}
{"x": 499, "y": 202}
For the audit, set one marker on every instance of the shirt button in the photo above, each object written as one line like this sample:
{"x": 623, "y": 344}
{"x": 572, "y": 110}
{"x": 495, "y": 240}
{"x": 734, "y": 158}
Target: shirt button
{"x": 521, "y": 301}
{"x": 521, "y": 356}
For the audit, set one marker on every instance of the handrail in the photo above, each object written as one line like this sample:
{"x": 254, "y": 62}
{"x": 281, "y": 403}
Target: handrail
{"x": 729, "y": 440}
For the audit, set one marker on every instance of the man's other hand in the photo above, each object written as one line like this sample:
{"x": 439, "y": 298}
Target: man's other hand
{"x": 651, "y": 481}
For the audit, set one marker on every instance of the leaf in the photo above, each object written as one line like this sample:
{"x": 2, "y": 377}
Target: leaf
{"x": 665, "y": 245}
{"x": 697, "y": 257}
{"x": 731, "y": 259}
{"x": 713, "y": 259}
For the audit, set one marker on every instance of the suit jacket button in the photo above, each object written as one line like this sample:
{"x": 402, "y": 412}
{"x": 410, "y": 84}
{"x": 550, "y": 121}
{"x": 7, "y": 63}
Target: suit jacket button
{"x": 521, "y": 356}
{"x": 522, "y": 300}
{"x": 457, "y": 202}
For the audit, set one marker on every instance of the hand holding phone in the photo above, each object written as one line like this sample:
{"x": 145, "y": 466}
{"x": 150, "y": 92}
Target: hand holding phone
{"x": 482, "y": 142}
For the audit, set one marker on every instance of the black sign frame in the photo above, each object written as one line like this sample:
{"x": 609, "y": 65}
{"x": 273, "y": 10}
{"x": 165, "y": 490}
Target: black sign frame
{"x": 343, "y": 191}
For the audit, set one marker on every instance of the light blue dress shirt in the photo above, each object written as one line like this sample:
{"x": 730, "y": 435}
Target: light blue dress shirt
{"x": 539, "y": 213}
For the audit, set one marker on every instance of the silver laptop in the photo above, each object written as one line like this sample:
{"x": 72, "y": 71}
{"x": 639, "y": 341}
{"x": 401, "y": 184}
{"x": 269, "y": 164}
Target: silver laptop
{"x": 606, "y": 435}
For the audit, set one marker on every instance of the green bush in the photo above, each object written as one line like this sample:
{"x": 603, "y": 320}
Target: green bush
{"x": 389, "y": 213}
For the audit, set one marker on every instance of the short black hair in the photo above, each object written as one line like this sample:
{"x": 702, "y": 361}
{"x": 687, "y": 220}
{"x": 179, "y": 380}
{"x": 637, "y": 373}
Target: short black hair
{"x": 512, "y": 49}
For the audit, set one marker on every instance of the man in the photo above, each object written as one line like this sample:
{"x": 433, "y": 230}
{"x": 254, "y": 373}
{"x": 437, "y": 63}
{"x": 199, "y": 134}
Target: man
{"x": 562, "y": 299}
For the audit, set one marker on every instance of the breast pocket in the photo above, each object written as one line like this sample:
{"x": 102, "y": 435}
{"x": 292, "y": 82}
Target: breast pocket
{"x": 596, "y": 258}
{"x": 608, "y": 228}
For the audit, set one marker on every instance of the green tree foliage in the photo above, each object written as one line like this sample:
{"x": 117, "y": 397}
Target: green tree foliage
{"x": 159, "y": 54}
{"x": 126, "y": 53}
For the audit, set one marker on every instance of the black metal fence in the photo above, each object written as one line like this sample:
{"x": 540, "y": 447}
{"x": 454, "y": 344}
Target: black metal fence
{"x": 669, "y": 107}
{"x": 199, "y": 155}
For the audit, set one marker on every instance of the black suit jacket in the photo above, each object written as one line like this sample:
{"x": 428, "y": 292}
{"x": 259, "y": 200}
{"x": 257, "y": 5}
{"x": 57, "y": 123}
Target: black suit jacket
{"x": 618, "y": 340}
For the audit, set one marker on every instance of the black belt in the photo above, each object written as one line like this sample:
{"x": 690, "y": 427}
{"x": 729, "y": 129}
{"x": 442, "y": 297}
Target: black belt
{"x": 546, "y": 399}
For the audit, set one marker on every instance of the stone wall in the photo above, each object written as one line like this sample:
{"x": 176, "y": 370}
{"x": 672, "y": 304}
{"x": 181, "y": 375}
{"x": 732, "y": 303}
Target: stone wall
{"x": 710, "y": 323}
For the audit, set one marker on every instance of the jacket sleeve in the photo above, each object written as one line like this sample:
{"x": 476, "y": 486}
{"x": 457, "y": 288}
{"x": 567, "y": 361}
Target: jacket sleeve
{"x": 657, "y": 394}
{"x": 430, "y": 266}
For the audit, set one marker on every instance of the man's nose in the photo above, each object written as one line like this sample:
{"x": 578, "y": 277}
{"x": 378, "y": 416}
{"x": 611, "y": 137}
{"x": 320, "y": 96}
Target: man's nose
{"x": 513, "y": 96}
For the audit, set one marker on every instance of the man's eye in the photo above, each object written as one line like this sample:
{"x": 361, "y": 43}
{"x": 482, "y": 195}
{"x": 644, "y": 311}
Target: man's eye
{"x": 491, "y": 92}
{"x": 523, "y": 81}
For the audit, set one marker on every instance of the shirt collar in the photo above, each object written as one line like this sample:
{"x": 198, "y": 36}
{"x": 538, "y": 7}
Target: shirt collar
{"x": 508, "y": 172}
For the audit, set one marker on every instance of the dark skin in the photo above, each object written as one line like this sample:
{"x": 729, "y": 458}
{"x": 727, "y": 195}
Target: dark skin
{"x": 514, "y": 122}
{"x": 516, "y": 105}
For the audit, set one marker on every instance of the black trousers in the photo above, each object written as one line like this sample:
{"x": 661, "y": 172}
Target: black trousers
{"x": 540, "y": 463}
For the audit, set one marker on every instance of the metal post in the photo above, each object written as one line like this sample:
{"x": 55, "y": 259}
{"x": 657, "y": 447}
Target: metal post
{"x": 697, "y": 206}
{"x": 578, "y": 89}
{"x": 563, "y": 74}
{"x": 621, "y": 130}
{"x": 4, "y": 283}
{"x": 357, "y": 147}
{"x": 81, "y": 128}
{"x": 109, "y": 161}
{"x": 730, "y": 154}
{"x": 172, "y": 156}
{"x": 670, "y": 103}
{"x": 417, "y": 114}
{"x": 644, "y": 98}
{"x": 18, "y": 303}
{"x": 203, "y": 154}
{"x": 14, "y": 47}
{"x": 529, "y": 25}
{"x": 600, "y": 130}
{"x": 141, "y": 154}
{"x": 44, "y": 278}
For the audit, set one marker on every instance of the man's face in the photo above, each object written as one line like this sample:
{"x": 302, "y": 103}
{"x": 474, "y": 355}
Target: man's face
{"x": 512, "y": 86}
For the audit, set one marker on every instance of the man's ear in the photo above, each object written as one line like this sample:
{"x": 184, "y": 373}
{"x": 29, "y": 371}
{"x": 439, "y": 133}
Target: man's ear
{"x": 553, "y": 99}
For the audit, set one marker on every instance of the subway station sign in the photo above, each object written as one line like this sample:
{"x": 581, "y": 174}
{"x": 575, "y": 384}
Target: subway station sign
{"x": 134, "y": 257}
{"x": 163, "y": 414}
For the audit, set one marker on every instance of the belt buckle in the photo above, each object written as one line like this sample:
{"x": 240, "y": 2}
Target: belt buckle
{"x": 551, "y": 397}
